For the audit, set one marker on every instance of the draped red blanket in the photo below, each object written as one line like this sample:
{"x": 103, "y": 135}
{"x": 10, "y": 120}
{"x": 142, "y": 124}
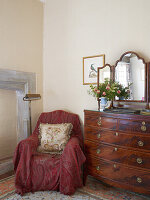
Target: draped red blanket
{"x": 37, "y": 171}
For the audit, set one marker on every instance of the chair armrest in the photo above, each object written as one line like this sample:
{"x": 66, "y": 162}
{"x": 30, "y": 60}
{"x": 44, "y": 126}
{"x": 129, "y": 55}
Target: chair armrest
{"x": 72, "y": 149}
{"x": 25, "y": 147}
{"x": 32, "y": 141}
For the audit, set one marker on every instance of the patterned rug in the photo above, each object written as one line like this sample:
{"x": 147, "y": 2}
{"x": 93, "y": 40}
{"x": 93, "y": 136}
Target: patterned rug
{"x": 93, "y": 190}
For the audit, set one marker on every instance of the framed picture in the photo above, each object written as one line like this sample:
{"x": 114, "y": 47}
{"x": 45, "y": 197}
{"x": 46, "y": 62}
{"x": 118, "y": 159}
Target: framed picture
{"x": 90, "y": 65}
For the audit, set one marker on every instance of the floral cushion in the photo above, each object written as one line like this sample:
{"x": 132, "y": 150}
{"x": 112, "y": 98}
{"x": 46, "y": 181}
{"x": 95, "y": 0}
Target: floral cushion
{"x": 54, "y": 137}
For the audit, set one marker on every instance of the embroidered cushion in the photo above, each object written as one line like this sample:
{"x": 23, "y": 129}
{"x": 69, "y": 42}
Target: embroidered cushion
{"x": 54, "y": 137}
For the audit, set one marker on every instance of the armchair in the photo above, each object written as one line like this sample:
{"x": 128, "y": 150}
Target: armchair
{"x": 36, "y": 171}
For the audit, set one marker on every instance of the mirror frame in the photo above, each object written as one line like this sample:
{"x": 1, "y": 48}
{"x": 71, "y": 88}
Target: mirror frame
{"x": 146, "y": 76}
{"x": 111, "y": 77}
{"x": 98, "y": 70}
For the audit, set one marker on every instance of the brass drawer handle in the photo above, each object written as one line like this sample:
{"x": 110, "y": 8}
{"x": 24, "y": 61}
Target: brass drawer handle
{"x": 143, "y": 123}
{"x": 98, "y": 135}
{"x": 139, "y": 180}
{"x": 98, "y": 151}
{"x": 99, "y": 121}
{"x": 116, "y": 149}
{"x": 116, "y": 134}
{"x": 98, "y": 168}
{"x": 140, "y": 143}
{"x": 139, "y": 160}
{"x": 115, "y": 165}
{"x": 143, "y": 128}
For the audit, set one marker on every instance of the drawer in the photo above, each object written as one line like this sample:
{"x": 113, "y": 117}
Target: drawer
{"x": 117, "y": 154}
{"x": 95, "y": 119}
{"x": 119, "y": 173}
{"x": 134, "y": 126}
{"x": 117, "y": 138}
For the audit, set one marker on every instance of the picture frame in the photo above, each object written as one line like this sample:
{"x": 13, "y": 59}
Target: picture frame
{"x": 90, "y": 65}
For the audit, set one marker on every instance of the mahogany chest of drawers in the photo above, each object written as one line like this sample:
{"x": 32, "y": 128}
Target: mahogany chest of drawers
{"x": 117, "y": 148}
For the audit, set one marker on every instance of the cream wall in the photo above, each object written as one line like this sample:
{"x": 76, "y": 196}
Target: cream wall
{"x": 77, "y": 28}
{"x": 8, "y": 119}
{"x": 21, "y": 49}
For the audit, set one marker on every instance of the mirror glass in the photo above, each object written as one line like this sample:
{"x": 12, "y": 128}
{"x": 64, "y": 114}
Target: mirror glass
{"x": 104, "y": 73}
{"x": 130, "y": 72}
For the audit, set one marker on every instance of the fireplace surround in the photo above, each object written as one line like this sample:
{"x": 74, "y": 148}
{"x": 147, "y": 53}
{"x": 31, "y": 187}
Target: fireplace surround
{"x": 22, "y": 83}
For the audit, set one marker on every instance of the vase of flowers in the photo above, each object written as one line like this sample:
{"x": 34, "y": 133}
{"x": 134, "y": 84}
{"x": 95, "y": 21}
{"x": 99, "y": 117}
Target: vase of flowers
{"x": 109, "y": 89}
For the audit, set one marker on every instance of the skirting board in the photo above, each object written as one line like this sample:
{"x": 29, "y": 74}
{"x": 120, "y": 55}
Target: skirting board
{"x": 6, "y": 166}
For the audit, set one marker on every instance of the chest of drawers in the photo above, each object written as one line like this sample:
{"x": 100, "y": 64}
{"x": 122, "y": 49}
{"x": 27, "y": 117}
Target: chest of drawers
{"x": 117, "y": 148}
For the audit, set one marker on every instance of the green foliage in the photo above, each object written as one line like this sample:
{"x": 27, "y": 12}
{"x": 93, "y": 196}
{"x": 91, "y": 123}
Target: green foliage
{"x": 124, "y": 91}
{"x": 109, "y": 89}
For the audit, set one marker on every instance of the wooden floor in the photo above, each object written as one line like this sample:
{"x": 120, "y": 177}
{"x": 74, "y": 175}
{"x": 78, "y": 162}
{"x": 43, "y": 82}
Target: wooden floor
{"x": 6, "y": 175}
